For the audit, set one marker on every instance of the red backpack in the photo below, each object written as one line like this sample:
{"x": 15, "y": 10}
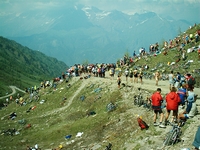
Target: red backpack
{"x": 142, "y": 124}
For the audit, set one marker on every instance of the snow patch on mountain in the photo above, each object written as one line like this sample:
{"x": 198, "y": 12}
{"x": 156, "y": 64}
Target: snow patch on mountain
{"x": 160, "y": 17}
{"x": 85, "y": 9}
{"x": 102, "y": 15}
{"x": 98, "y": 15}
{"x": 142, "y": 22}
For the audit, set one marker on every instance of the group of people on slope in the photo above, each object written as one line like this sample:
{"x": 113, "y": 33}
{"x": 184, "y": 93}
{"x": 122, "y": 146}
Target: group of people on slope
{"x": 134, "y": 75}
{"x": 174, "y": 101}
{"x": 96, "y": 70}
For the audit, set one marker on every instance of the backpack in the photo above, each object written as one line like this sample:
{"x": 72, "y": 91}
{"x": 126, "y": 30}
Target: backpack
{"x": 142, "y": 124}
{"x": 191, "y": 81}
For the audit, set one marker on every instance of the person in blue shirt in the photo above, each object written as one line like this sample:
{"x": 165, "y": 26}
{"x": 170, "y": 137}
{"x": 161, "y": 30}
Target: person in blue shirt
{"x": 182, "y": 92}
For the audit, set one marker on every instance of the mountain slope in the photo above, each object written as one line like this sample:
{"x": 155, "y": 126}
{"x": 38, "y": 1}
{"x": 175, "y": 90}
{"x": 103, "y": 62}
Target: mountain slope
{"x": 80, "y": 107}
{"x": 63, "y": 114}
{"x": 24, "y": 67}
{"x": 75, "y": 34}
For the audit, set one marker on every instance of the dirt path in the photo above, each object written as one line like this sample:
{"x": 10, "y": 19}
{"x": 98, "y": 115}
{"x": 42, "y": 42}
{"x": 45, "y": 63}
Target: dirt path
{"x": 147, "y": 85}
{"x": 14, "y": 88}
{"x": 112, "y": 85}
{"x": 83, "y": 84}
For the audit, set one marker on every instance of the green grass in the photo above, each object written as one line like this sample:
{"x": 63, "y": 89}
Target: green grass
{"x": 52, "y": 121}
{"x": 154, "y": 61}
{"x": 52, "y": 127}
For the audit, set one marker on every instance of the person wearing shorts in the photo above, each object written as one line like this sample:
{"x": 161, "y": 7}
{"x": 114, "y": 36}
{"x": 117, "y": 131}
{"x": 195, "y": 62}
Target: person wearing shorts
{"x": 131, "y": 75}
{"x": 135, "y": 74}
{"x": 171, "y": 79}
{"x": 172, "y": 100}
{"x": 126, "y": 74}
{"x": 140, "y": 76}
{"x": 188, "y": 113}
{"x": 118, "y": 81}
{"x": 157, "y": 76}
{"x": 156, "y": 106}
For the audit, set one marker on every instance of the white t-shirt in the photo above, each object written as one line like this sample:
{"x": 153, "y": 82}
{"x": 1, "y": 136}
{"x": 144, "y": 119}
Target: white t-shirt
{"x": 171, "y": 80}
{"x": 193, "y": 110}
{"x": 126, "y": 72}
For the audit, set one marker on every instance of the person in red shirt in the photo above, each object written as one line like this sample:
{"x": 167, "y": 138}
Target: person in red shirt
{"x": 156, "y": 106}
{"x": 172, "y": 100}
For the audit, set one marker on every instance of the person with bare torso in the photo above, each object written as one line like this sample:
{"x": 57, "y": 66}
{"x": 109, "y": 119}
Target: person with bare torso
{"x": 157, "y": 75}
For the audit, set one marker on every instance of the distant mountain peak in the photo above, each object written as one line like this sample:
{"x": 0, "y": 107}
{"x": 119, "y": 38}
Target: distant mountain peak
{"x": 93, "y": 12}
{"x": 78, "y": 29}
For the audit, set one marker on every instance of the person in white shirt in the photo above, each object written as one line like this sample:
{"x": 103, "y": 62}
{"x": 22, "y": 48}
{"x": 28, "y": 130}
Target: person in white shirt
{"x": 193, "y": 111}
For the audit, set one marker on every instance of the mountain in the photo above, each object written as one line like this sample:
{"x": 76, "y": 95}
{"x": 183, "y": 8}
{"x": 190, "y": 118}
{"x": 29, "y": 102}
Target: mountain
{"x": 91, "y": 112}
{"x": 23, "y": 67}
{"x": 79, "y": 33}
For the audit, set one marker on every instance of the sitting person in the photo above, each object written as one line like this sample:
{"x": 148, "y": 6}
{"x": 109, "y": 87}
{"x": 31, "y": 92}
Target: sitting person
{"x": 190, "y": 99}
{"x": 189, "y": 113}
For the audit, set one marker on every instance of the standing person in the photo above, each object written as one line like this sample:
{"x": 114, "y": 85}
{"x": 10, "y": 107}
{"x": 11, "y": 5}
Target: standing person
{"x": 156, "y": 106}
{"x": 126, "y": 74}
{"x": 140, "y": 76}
{"x": 157, "y": 76}
{"x": 135, "y": 74}
{"x": 118, "y": 81}
{"x": 112, "y": 72}
{"x": 198, "y": 54}
{"x": 178, "y": 79}
{"x": 131, "y": 75}
{"x": 182, "y": 92}
{"x": 190, "y": 81}
{"x": 171, "y": 79}
{"x": 172, "y": 100}
{"x": 134, "y": 54}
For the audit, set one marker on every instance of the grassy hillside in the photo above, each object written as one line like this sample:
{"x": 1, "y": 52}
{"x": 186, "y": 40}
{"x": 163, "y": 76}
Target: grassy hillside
{"x": 53, "y": 120}
{"x": 191, "y": 63}
{"x": 23, "y": 67}
{"x": 81, "y": 106}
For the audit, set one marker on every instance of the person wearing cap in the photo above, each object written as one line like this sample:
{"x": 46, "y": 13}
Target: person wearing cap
{"x": 190, "y": 99}
{"x": 190, "y": 111}
{"x": 157, "y": 99}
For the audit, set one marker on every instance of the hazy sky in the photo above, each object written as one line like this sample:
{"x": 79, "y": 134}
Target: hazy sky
{"x": 179, "y": 9}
